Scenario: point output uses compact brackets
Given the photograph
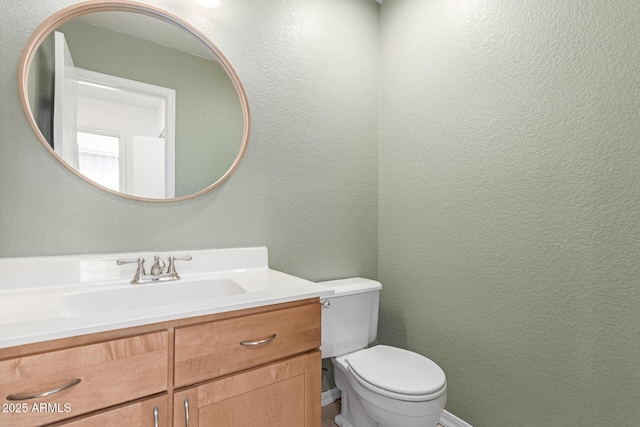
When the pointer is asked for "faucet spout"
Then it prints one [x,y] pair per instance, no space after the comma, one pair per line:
[158,266]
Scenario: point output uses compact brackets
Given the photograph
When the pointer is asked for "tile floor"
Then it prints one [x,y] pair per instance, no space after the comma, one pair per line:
[330,411]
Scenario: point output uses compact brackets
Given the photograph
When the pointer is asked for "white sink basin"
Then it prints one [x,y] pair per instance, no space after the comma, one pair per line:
[145,296]
[48,298]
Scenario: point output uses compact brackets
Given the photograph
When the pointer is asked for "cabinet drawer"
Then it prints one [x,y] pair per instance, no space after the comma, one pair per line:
[214,349]
[110,373]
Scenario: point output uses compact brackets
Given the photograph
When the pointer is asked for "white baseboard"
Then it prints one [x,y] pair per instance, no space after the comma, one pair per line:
[449,420]
[330,396]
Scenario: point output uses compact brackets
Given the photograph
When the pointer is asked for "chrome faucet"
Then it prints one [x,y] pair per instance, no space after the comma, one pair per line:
[157,269]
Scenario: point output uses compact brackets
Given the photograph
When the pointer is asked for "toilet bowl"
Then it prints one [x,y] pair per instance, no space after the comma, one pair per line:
[382,386]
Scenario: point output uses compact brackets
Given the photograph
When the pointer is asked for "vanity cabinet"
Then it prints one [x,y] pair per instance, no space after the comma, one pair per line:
[259,367]
[269,387]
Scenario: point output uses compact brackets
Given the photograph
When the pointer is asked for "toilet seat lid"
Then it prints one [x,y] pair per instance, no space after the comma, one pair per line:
[397,370]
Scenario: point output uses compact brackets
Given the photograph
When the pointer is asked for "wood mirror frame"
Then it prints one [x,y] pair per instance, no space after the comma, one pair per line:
[78,10]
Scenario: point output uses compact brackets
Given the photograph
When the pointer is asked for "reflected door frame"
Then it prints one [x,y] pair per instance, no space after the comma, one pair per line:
[107,80]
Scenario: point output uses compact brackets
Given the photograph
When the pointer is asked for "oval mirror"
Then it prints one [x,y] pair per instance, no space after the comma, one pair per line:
[134,100]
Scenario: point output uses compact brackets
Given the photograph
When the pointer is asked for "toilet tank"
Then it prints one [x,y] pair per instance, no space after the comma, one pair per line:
[350,316]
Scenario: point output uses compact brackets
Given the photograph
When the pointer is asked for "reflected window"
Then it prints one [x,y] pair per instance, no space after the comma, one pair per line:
[99,158]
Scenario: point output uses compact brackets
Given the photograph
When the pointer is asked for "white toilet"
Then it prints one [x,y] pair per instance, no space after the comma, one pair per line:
[381,386]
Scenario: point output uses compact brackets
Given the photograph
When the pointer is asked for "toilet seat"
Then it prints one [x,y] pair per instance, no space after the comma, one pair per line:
[397,373]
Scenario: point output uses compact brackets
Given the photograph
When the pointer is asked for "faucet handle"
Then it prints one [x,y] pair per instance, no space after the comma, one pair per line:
[139,261]
[172,264]
[139,271]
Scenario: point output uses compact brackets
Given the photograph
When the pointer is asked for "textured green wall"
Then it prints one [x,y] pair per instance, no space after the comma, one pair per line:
[307,186]
[509,199]
[509,221]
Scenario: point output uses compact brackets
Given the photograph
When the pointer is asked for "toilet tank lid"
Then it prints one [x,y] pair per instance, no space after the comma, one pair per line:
[353,285]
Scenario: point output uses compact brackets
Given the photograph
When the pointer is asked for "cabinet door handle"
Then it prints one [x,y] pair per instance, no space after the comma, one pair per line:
[186,412]
[255,343]
[44,393]
[156,422]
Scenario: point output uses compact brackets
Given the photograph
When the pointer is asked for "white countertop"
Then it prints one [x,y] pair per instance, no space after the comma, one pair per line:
[30,298]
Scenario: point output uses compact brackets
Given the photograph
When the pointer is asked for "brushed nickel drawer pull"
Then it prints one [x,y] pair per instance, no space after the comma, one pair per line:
[43,394]
[186,412]
[255,343]
[156,422]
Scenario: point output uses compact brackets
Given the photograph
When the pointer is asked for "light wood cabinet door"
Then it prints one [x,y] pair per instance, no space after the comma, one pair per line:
[284,393]
[146,413]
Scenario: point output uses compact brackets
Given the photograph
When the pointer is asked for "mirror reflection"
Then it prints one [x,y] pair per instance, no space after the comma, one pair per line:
[136,105]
